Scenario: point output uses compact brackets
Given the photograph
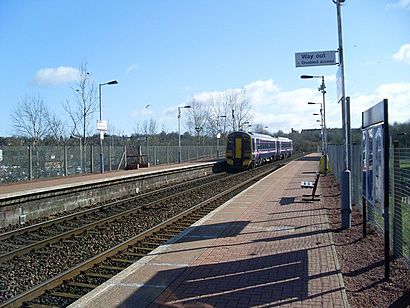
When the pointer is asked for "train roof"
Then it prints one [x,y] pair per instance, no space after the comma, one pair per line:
[284,139]
[254,135]
[262,136]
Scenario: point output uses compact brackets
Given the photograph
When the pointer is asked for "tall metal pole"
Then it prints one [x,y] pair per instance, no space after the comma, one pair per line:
[346,208]
[102,130]
[322,88]
[179,135]
[179,131]
[101,140]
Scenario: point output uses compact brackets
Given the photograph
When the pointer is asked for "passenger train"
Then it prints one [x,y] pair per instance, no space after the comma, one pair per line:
[247,150]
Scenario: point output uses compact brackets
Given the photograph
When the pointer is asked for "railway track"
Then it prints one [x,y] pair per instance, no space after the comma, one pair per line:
[109,245]
[23,240]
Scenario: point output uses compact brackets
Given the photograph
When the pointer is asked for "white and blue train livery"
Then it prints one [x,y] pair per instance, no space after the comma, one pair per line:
[247,149]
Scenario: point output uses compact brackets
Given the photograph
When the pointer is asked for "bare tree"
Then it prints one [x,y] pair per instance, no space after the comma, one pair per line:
[84,105]
[138,129]
[197,117]
[153,127]
[30,118]
[217,115]
[240,106]
[56,126]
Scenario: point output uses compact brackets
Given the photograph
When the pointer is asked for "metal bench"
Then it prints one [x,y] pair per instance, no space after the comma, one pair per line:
[311,185]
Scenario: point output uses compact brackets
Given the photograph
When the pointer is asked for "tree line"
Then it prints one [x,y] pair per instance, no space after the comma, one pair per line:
[205,120]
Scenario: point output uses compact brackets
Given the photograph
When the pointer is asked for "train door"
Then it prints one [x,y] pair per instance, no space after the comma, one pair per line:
[238,147]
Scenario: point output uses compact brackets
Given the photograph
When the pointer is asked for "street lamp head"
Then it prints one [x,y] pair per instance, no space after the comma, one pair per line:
[306,76]
[315,114]
[112,82]
[311,103]
[187,106]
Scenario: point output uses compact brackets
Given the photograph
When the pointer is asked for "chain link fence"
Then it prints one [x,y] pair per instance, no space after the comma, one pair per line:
[21,163]
[399,210]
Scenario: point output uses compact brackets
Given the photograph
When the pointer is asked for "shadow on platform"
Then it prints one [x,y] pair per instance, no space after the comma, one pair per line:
[309,158]
[273,280]
[211,231]
[279,278]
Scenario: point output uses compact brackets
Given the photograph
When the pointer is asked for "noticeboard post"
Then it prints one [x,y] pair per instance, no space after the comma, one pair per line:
[375,176]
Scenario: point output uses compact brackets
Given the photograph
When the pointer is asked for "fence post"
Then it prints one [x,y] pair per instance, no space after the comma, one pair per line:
[397,210]
[125,157]
[65,160]
[91,158]
[30,162]
[110,156]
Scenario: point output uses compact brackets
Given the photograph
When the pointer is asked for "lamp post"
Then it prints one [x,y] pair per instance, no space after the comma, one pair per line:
[321,124]
[146,136]
[81,150]
[198,131]
[179,131]
[218,134]
[103,126]
[321,89]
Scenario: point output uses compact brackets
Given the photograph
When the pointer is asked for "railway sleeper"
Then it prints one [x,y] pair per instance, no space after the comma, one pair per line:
[67,241]
[149,249]
[122,260]
[160,239]
[98,275]
[24,240]
[93,232]
[134,254]
[65,227]
[112,268]
[14,246]
[38,237]
[39,305]
[65,295]
[152,243]
[172,230]
[41,252]
[82,285]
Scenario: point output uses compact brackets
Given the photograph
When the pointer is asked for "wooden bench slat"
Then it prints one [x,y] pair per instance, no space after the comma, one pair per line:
[311,185]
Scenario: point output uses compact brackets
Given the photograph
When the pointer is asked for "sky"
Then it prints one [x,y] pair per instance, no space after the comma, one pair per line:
[164,53]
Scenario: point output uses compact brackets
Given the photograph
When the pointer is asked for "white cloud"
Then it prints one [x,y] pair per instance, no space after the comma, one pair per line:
[398,95]
[55,76]
[403,55]
[132,67]
[261,90]
[284,110]
[402,4]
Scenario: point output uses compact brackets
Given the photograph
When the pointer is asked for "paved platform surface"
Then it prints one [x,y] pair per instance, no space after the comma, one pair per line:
[264,248]
[47,184]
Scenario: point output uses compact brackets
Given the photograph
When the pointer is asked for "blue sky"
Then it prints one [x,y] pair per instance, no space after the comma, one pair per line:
[164,53]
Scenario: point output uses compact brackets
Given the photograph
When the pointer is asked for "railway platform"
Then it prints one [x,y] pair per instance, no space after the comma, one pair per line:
[266,247]
[47,184]
[23,201]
